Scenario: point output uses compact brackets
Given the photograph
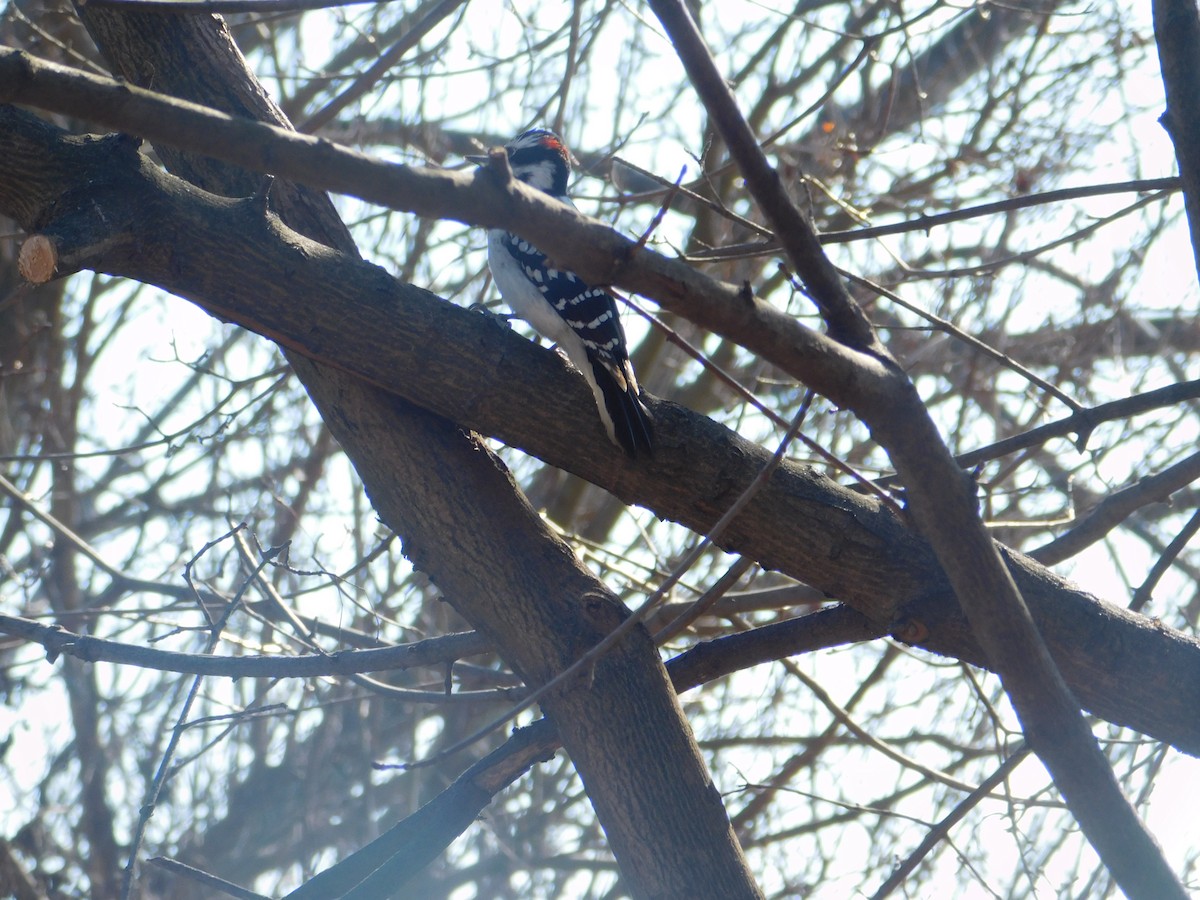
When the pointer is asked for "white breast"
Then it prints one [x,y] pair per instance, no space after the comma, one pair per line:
[524,298]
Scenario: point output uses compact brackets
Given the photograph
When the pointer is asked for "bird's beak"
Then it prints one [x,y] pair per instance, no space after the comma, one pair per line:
[496,160]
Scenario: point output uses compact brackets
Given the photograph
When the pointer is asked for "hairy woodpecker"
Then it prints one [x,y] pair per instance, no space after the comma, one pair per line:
[580,319]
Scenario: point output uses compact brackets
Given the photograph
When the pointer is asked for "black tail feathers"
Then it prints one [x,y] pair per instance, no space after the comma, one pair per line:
[630,419]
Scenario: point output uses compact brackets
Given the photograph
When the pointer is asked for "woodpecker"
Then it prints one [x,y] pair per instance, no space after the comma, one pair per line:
[582,320]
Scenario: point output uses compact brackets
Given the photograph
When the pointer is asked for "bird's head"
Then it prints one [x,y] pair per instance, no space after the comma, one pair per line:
[539,158]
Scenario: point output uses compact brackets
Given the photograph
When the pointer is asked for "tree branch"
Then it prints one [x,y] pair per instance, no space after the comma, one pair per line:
[401,851]
[1177,33]
[428,480]
[943,503]
[436,651]
[414,345]
[595,251]
[1117,507]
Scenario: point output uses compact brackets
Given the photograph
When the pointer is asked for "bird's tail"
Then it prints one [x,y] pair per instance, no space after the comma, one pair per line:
[625,416]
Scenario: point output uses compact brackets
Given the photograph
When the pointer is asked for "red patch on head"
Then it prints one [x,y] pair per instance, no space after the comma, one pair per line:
[554,143]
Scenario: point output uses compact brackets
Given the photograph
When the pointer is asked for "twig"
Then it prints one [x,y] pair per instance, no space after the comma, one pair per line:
[970,340]
[927,222]
[848,722]
[1082,423]
[719,208]
[389,58]
[667,200]
[1117,507]
[705,602]
[1032,253]
[175,867]
[942,829]
[1145,590]
[160,776]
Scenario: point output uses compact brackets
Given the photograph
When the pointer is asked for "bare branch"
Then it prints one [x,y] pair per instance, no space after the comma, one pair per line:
[430,652]
[1118,506]
[1177,31]
[944,508]
[801,523]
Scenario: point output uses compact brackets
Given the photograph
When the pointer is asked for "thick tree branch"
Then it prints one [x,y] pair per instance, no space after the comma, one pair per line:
[594,250]
[428,480]
[1124,668]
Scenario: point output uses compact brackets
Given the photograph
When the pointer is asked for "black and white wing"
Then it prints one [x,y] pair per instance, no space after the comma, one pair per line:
[584,322]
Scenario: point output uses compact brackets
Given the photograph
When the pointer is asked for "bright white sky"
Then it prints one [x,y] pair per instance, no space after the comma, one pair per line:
[1170,283]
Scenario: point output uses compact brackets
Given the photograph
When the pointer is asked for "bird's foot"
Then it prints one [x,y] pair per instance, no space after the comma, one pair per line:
[504,319]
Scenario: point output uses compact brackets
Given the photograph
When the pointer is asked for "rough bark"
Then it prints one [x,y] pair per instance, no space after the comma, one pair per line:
[465,524]
[409,342]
